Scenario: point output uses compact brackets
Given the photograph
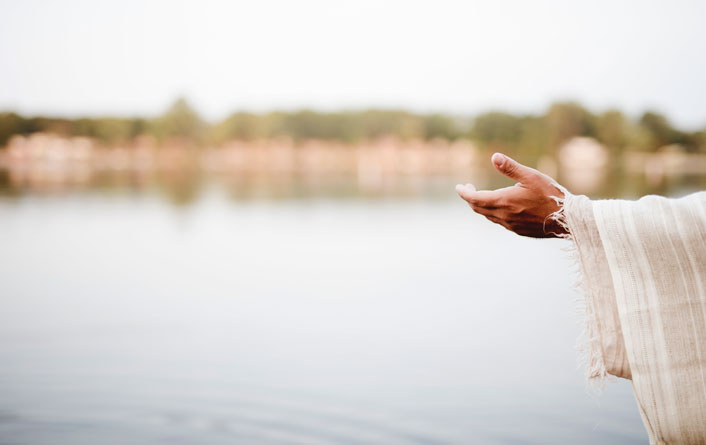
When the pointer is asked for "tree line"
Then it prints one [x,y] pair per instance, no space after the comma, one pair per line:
[529,135]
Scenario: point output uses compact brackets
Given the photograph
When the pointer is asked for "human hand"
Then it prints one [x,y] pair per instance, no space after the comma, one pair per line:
[523,208]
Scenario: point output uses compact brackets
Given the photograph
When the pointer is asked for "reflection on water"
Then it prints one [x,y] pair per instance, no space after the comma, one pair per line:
[281,168]
[126,320]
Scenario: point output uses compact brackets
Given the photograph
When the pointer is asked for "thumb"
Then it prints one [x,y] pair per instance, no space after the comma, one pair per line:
[512,169]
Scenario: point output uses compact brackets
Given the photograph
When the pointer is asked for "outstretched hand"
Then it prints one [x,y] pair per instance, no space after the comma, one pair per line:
[523,208]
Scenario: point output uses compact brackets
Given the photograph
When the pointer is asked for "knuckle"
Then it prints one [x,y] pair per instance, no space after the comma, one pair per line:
[507,216]
[480,203]
[515,211]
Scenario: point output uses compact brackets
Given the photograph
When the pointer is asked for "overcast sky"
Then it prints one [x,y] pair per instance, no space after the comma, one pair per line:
[134,57]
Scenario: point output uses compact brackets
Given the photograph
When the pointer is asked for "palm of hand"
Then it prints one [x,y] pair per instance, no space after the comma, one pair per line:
[524,208]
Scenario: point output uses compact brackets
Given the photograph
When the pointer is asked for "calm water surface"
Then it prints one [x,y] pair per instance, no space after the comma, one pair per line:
[130,321]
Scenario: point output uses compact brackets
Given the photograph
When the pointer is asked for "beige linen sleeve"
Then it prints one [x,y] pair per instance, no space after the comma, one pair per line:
[643,266]
[602,345]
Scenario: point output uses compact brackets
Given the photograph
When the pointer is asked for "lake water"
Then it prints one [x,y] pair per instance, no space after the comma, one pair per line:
[126,320]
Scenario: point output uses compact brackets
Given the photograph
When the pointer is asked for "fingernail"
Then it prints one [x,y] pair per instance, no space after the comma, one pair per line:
[459,188]
[499,159]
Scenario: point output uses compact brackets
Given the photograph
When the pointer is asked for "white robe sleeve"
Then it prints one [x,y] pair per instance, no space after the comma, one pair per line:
[602,344]
[643,267]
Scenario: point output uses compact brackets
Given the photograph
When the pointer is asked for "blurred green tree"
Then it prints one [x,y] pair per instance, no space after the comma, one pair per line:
[698,139]
[612,130]
[566,120]
[241,126]
[497,128]
[528,137]
[534,140]
[658,132]
[11,124]
[440,126]
[180,121]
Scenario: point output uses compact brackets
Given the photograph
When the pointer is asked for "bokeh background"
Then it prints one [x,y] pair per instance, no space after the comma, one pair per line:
[235,222]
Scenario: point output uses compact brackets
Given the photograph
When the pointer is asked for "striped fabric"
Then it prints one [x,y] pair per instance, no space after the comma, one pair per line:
[643,266]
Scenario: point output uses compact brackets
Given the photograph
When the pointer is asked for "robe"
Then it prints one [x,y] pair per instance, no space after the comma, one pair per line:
[643,277]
